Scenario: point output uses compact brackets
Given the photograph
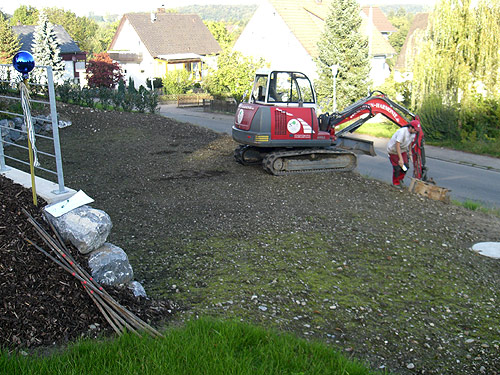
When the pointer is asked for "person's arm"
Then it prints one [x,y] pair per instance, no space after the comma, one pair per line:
[398,150]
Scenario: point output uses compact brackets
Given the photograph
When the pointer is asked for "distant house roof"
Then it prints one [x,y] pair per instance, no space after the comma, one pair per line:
[379,19]
[26,37]
[415,33]
[306,20]
[171,33]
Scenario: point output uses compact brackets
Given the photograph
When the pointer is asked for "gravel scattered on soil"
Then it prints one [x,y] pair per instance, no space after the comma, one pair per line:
[378,273]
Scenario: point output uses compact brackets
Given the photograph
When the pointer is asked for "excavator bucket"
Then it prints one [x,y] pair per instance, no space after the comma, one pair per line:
[356,145]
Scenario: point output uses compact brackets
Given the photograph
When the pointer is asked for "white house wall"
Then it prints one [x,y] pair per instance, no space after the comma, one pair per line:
[267,36]
[129,41]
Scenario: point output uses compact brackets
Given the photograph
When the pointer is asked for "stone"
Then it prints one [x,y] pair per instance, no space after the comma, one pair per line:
[85,227]
[109,265]
[137,289]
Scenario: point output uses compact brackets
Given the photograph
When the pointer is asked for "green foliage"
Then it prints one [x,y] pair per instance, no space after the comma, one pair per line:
[177,82]
[439,120]
[81,29]
[234,75]
[343,44]
[9,42]
[459,56]
[480,119]
[401,20]
[157,83]
[24,15]
[122,98]
[220,33]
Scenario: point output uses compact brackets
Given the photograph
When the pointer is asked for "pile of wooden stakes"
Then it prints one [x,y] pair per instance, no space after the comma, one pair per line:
[116,315]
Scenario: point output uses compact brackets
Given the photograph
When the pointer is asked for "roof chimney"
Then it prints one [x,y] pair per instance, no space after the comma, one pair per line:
[153,17]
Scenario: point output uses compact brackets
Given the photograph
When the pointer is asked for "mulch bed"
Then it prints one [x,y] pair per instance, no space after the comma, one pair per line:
[41,304]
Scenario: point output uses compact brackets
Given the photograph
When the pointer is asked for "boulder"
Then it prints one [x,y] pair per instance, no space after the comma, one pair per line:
[85,227]
[109,265]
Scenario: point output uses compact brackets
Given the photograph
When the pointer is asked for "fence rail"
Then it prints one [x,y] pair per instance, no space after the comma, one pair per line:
[8,71]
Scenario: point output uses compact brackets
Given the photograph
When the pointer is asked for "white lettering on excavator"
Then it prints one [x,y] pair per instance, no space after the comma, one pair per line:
[386,108]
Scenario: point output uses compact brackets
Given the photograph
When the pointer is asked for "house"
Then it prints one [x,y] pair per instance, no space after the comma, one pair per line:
[404,62]
[380,21]
[74,59]
[148,45]
[285,33]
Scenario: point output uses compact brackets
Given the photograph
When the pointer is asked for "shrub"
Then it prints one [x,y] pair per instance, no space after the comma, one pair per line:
[440,122]
[177,82]
[103,72]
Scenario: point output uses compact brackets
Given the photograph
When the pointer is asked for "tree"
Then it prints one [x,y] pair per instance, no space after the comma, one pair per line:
[459,53]
[81,29]
[343,44]
[234,75]
[9,42]
[46,51]
[220,33]
[401,20]
[24,15]
[103,72]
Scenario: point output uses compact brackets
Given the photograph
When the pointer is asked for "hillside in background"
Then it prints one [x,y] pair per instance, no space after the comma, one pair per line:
[227,13]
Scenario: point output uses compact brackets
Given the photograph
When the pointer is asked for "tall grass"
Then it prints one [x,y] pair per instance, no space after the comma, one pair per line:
[203,346]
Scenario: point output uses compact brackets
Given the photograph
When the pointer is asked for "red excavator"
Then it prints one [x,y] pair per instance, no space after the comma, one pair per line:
[279,128]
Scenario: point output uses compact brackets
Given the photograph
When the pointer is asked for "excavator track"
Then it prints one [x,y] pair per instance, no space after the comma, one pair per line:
[281,163]
[247,155]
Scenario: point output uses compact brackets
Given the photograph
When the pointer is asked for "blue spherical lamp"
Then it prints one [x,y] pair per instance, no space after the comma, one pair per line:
[23,62]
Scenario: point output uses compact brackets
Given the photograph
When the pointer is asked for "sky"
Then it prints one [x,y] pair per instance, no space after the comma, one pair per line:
[103,7]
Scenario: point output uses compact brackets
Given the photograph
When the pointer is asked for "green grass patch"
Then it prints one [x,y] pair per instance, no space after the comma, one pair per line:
[477,206]
[203,346]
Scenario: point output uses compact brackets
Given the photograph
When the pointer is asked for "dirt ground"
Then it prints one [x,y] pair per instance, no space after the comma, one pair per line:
[380,274]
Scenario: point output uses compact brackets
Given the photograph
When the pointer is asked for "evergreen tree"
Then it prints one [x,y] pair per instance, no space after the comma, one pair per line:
[343,44]
[459,53]
[9,42]
[46,52]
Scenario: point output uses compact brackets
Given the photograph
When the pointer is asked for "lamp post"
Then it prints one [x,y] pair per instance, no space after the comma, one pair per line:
[335,71]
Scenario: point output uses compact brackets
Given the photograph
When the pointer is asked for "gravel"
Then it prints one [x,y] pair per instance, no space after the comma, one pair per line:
[381,274]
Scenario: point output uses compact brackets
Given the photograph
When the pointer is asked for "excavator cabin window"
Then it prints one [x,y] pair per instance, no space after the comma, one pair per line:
[291,88]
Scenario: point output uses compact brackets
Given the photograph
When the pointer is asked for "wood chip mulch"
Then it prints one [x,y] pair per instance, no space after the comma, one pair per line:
[41,305]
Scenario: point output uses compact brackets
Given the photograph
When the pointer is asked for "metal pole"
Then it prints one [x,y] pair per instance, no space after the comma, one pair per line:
[55,132]
[3,168]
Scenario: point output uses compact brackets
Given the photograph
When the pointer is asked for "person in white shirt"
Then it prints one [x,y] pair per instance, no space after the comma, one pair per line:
[398,148]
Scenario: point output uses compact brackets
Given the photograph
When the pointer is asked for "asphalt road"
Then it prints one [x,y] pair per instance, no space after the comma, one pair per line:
[468,176]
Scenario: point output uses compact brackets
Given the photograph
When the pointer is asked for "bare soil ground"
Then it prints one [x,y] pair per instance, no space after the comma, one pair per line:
[381,274]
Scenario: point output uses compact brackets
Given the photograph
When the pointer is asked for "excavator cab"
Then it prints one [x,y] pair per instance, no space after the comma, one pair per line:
[283,89]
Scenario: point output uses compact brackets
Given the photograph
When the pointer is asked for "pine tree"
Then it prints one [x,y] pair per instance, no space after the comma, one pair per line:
[343,44]
[9,42]
[46,52]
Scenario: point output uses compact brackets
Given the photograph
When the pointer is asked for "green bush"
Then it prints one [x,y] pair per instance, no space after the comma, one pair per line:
[124,98]
[440,122]
[177,82]
[480,119]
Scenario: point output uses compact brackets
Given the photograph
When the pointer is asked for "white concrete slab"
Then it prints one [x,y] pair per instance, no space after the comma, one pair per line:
[488,249]
[47,190]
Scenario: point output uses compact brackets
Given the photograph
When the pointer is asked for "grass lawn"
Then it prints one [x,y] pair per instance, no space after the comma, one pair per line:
[203,346]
